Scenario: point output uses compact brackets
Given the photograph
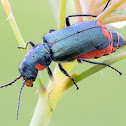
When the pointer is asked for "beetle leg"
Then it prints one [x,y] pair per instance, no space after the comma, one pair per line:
[106,5]
[80,60]
[80,15]
[29,42]
[65,72]
[50,74]
[51,30]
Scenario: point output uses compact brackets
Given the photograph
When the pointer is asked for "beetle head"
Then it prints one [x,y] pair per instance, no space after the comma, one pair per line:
[28,73]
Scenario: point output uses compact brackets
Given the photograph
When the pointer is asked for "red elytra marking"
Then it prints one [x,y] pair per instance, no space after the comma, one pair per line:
[114,48]
[104,31]
[39,66]
[97,53]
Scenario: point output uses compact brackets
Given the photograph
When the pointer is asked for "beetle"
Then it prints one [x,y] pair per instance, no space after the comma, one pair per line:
[81,41]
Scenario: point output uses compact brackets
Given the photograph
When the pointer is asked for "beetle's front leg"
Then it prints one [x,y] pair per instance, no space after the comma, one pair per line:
[65,72]
[50,74]
[51,30]
[29,42]
[80,60]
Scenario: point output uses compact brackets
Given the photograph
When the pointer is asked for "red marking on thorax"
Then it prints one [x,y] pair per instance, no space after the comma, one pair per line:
[39,66]
[97,53]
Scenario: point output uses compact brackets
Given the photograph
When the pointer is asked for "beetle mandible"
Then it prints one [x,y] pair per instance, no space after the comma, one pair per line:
[68,44]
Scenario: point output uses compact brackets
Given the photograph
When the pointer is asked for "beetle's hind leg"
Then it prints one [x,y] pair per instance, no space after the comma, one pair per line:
[29,42]
[77,15]
[83,15]
[106,5]
[65,72]
[80,60]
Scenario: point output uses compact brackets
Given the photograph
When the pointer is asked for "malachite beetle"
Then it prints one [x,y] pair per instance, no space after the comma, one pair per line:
[81,41]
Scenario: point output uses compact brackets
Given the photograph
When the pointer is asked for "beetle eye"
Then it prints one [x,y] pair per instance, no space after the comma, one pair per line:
[25,68]
[47,58]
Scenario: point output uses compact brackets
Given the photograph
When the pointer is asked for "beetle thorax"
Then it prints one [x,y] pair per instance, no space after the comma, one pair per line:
[39,55]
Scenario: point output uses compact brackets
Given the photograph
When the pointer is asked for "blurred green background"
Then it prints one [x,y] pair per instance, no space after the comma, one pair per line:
[100,101]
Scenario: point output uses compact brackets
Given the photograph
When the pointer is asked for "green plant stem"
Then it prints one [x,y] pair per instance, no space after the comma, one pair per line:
[43,111]
[62,14]
[13,24]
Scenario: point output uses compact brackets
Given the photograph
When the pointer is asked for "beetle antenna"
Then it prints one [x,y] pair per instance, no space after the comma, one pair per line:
[20,97]
[17,78]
